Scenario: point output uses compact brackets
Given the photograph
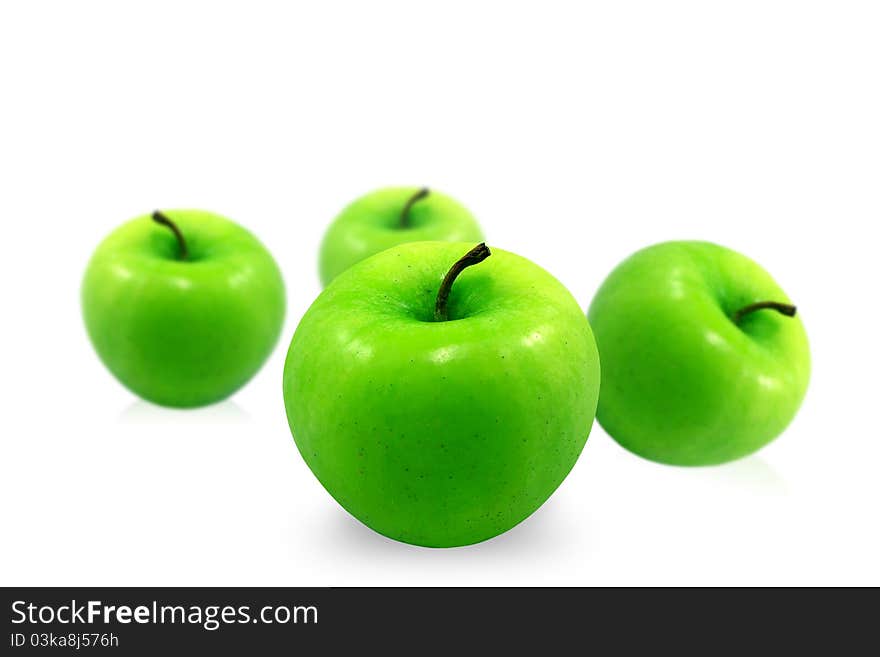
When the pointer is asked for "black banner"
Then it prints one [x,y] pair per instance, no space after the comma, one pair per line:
[127,621]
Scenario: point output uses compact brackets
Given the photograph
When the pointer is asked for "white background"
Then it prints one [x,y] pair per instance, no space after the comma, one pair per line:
[576,132]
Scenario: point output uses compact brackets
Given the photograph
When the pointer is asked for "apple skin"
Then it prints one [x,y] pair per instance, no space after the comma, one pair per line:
[442,433]
[371,224]
[178,332]
[683,384]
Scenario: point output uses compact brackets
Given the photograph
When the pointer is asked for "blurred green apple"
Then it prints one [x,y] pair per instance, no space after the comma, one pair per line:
[183,307]
[703,360]
[388,217]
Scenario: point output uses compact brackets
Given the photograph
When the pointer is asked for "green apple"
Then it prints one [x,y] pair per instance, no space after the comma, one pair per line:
[441,414]
[392,216]
[703,360]
[183,307]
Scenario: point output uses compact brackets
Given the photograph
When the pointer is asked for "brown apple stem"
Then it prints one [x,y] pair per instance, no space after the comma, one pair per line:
[785,308]
[160,218]
[475,256]
[415,198]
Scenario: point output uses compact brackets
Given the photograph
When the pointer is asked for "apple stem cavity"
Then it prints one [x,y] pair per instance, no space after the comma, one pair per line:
[160,218]
[415,198]
[473,257]
[784,308]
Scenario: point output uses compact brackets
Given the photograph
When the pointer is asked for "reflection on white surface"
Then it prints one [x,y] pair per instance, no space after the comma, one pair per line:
[140,412]
[751,472]
[548,530]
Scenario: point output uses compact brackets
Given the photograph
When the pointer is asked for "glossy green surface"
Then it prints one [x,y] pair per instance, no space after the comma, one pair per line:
[183,333]
[372,224]
[442,433]
[681,383]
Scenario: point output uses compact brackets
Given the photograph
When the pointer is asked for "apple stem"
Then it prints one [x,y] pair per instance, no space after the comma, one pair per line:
[160,218]
[415,198]
[475,256]
[785,308]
